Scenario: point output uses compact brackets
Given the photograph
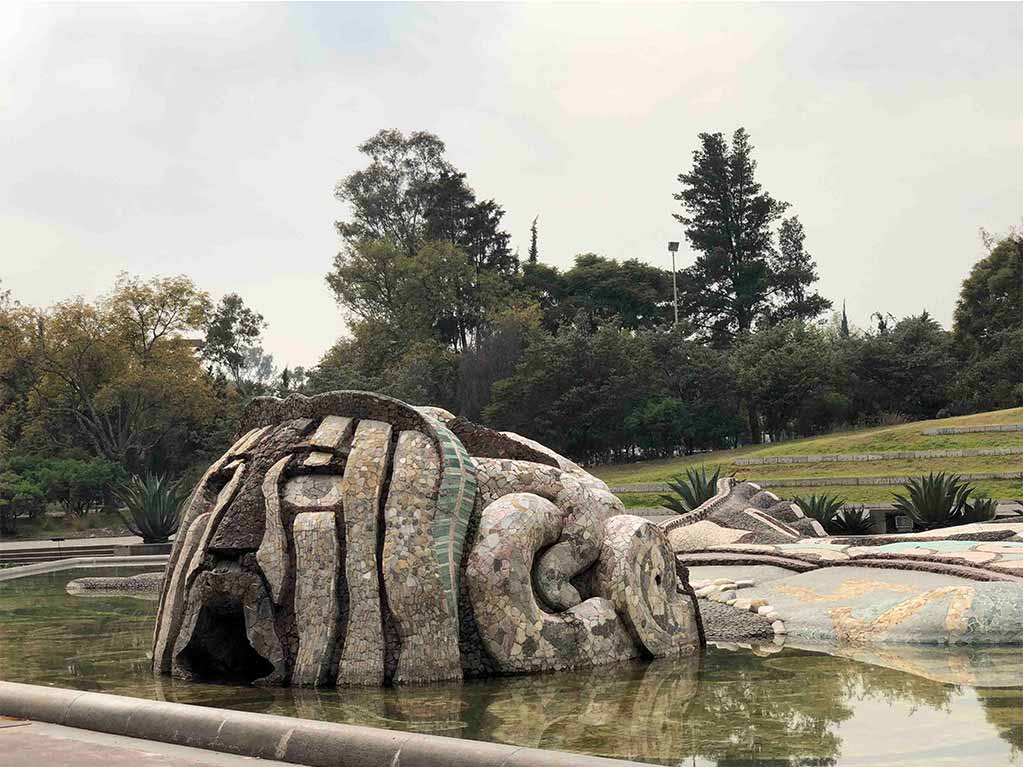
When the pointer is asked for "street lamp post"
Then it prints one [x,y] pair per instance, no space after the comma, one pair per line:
[672,248]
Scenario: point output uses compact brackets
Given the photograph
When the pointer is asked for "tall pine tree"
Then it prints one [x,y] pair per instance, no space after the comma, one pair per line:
[533,241]
[740,276]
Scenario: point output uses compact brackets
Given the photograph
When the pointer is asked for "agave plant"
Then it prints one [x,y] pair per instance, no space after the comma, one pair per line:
[937,500]
[981,510]
[820,507]
[691,490]
[851,521]
[152,506]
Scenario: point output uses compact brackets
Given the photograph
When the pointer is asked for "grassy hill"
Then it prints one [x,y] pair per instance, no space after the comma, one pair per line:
[884,439]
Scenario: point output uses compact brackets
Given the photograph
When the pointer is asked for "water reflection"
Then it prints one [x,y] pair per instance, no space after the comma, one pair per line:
[799,706]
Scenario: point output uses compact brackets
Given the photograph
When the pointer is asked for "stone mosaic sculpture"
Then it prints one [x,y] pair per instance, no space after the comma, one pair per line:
[754,552]
[349,538]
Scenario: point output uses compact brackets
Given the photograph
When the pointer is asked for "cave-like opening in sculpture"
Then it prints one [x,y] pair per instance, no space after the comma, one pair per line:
[219,649]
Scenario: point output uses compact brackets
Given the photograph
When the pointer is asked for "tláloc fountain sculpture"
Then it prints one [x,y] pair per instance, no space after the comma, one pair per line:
[350,538]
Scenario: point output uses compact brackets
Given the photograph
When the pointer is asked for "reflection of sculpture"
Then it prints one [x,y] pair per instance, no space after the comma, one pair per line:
[352,538]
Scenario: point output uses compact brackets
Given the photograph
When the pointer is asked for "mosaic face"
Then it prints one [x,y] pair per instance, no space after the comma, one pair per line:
[350,538]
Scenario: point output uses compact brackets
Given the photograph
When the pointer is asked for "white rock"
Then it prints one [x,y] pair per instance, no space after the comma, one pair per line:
[779,627]
[744,584]
[765,609]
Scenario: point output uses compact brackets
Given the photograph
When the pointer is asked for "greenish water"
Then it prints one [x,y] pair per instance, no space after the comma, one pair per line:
[901,706]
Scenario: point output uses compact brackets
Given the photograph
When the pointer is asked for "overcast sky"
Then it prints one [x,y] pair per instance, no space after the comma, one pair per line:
[207,140]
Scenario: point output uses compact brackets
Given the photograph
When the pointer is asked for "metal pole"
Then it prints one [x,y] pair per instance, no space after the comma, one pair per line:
[675,294]
[672,248]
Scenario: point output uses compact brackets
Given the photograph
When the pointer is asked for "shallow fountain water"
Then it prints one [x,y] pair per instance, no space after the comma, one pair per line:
[869,706]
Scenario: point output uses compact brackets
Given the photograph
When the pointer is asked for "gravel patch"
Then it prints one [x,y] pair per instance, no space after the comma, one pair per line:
[725,623]
[141,583]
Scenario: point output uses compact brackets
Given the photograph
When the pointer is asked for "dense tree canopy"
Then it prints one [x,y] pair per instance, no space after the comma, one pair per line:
[586,359]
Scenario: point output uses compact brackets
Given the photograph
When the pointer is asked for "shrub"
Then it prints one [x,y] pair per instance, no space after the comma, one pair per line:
[849,521]
[19,497]
[153,506]
[691,490]
[820,507]
[937,500]
[891,418]
[982,510]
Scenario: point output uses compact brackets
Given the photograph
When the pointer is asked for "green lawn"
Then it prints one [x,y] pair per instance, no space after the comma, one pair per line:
[874,440]
[907,436]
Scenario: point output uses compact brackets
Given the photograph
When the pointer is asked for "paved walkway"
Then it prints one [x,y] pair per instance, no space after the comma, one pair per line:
[31,744]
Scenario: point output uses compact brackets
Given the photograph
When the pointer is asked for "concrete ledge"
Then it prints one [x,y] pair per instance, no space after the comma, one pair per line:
[142,549]
[22,571]
[865,457]
[265,736]
[972,429]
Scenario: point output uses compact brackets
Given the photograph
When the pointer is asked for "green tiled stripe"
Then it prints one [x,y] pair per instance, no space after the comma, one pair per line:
[455,499]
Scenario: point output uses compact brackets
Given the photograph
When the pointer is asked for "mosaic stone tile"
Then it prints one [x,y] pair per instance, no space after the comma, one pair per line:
[316,565]
[362,658]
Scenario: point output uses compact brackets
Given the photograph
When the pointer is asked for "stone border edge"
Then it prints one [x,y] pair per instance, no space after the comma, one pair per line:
[74,563]
[267,736]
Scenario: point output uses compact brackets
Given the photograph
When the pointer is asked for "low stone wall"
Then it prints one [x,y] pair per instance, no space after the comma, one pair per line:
[265,736]
[662,487]
[892,456]
[972,429]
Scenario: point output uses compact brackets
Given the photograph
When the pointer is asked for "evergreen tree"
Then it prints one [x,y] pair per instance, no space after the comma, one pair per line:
[533,241]
[739,276]
[844,327]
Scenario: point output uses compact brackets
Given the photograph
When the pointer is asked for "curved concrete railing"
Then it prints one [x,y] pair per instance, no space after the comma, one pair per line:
[264,736]
[22,571]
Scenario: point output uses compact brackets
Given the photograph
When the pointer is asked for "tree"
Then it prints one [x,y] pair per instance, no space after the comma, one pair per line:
[599,289]
[922,377]
[422,373]
[738,275]
[533,241]
[232,340]
[493,357]
[779,371]
[573,390]
[844,324]
[990,299]
[453,215]
[699,377]
[389,198]
[417,223]
[118,377]
[904,367]
[792,271]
